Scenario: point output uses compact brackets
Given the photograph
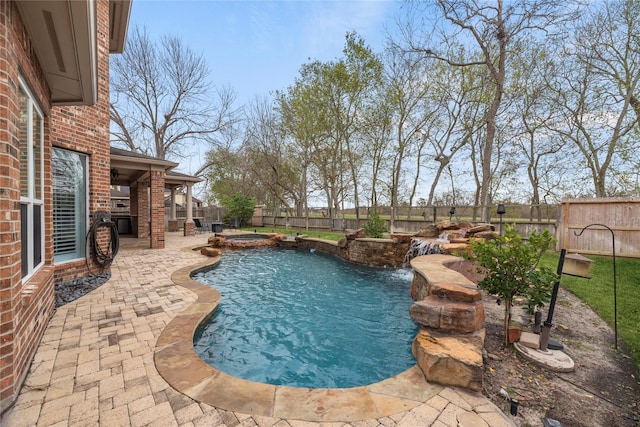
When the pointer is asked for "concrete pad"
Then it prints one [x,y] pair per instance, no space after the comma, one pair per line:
[554,360]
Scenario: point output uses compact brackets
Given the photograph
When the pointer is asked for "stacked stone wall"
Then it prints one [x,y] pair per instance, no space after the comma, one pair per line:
[448,307]
[325,246]
[377,252]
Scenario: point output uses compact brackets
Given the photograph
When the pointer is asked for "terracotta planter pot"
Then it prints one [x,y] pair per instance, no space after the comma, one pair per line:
[514,334]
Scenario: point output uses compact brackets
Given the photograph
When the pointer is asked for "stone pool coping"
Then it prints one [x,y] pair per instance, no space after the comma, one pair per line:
[177,362]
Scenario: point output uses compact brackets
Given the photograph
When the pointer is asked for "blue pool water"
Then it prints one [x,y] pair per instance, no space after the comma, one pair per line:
[306,319]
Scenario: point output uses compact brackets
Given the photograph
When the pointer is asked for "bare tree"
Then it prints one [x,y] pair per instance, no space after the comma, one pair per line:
[407,86]
[495,28]
[162,98]
[533,115]
[273,165]
[598,79]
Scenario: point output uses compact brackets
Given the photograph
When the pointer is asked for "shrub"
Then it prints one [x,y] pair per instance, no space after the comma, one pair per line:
[510,267]
[375,227]
[240,207]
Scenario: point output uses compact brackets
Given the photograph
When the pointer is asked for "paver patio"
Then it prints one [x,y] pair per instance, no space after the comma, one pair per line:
[95,366]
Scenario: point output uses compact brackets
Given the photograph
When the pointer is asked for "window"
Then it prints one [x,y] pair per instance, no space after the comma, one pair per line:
[69,204]
[31,135]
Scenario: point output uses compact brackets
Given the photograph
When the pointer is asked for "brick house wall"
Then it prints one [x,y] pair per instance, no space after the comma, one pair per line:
[85,129]
[26,306]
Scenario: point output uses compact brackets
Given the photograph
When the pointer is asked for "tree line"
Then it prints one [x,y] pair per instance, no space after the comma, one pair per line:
[486,102]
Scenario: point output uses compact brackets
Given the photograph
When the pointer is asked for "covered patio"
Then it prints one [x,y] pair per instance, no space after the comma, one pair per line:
[147,177]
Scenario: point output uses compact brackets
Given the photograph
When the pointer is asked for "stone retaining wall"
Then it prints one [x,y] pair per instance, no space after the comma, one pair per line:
[448,307]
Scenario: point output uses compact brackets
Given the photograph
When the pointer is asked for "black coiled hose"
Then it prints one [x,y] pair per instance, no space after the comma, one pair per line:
[102,256]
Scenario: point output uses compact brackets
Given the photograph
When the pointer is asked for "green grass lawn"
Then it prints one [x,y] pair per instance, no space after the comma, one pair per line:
[319,234]
[597,292]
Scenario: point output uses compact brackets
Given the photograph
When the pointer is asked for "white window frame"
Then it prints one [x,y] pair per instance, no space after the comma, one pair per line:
[31,200]
[81,213]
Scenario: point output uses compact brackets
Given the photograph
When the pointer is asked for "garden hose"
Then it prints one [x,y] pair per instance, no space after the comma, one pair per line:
[102,255]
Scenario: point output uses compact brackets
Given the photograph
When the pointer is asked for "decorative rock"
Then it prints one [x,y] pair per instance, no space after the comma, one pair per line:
[455,234]
[343,242]
[426,314]
[481,227]
[357,234]
[476,338]
[455,292]
[488,235]
[216,241]
[448,316]
[448,360]
[428,231]
[401,237]
[210,252]
[446,225]
[420,287]
[464,240]
[454,248]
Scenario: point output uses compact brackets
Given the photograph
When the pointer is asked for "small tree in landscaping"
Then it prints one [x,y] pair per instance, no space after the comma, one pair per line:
[375,227]
[241,208]
[510,266]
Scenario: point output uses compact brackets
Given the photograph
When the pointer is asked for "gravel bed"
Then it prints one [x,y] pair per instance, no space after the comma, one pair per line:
[66,292]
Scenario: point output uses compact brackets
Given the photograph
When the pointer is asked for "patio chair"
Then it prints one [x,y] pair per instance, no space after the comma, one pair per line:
[199,227]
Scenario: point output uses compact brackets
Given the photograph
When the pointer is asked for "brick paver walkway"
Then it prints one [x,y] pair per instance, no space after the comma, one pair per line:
[95,364]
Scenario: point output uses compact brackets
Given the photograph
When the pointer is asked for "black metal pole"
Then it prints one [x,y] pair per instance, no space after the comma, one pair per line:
[546,328]
[556,286]
[615,290]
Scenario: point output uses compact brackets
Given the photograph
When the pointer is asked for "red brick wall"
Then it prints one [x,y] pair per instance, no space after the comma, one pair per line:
[25,308]
[85,129]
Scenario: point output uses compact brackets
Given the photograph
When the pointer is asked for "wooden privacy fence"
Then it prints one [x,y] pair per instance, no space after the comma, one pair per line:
[399,226]
[621,215]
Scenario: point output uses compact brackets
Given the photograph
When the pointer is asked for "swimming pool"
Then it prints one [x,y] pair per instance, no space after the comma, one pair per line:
[305,319]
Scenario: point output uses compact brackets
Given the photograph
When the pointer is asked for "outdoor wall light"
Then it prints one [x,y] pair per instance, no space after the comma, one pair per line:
[501,211]
[452,212]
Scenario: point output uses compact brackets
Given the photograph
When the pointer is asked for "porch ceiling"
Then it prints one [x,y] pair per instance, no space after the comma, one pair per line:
[128,168]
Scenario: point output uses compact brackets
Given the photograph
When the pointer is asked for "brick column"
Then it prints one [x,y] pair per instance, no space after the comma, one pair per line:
[142,204]
[173,221]
[157,209]
[189,226]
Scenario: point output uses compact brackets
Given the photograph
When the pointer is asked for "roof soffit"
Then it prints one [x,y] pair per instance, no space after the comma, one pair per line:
[64,36]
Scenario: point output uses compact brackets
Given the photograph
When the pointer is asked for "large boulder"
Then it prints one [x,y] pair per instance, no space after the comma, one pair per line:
[448,316]
[217,241]
[448,360]
[429,231]
[210,252]
[356,234]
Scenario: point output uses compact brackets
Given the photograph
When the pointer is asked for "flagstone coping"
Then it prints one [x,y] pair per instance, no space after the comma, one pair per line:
[177,362]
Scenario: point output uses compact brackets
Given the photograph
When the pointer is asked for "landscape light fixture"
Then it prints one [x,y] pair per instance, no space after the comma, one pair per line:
[571,265]
[501,211]
[615,291]
[452,212]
